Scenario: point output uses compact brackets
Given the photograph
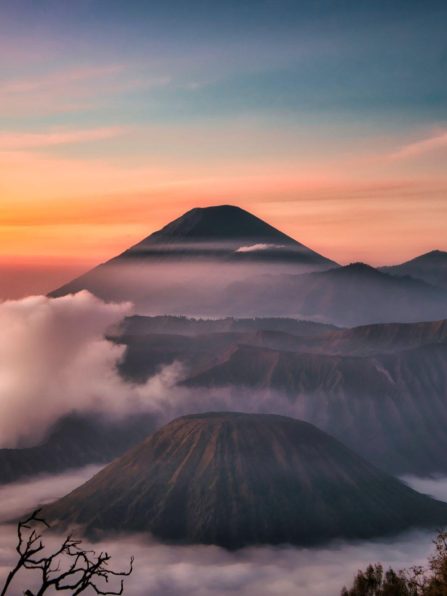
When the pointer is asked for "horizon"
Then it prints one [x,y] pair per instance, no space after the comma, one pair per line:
[23,278]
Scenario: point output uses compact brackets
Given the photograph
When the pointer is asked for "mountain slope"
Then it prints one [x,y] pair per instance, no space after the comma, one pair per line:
[238,479]
[430,267]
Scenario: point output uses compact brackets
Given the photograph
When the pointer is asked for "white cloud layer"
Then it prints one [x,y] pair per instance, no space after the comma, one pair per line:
[54,359]
[162,570]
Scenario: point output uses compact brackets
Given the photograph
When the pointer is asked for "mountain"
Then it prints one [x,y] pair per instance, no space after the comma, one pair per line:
[223,261]
[356,294]
[224,230]
[74,441]
[430,267]
[388,407]
[184,267]
[236,479]
[379,388]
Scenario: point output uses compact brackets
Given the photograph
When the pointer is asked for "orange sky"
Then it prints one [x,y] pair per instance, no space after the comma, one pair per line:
[60,215]
[54,206]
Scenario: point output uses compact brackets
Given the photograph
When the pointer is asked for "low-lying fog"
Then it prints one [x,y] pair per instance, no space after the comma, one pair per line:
[162,570]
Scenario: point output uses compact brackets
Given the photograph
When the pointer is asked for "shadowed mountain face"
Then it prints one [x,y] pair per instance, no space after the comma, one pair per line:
[430,267]
[239,479]
[184,267]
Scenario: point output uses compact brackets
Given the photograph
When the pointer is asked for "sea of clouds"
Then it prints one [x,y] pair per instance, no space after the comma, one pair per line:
[163,570]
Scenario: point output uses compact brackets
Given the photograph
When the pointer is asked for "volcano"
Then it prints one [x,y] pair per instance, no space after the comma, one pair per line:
[196,257]
[235,479]
[224,231]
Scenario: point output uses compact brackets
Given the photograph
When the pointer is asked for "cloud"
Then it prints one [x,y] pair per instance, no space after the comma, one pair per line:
[22,140]
[418,148]
[57,79]
[54,359]
[19,498]
[57,91]
[258,247]
[162,570]
[435,486]
[72,89]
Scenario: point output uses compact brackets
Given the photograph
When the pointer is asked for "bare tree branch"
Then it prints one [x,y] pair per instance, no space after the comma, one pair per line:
[68,568]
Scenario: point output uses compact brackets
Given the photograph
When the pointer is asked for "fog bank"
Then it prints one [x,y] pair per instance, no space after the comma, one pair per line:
[162,570]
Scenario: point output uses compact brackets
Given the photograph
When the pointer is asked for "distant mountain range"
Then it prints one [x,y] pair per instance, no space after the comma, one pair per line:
[236,479]
[379,388]
[224,261]
[356,294]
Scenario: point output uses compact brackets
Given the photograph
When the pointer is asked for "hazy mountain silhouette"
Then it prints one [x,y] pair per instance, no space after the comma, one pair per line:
[430,267]
[356,294]
[238,479]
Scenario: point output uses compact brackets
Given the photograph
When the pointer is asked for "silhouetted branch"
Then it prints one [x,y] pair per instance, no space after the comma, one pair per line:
[68,568]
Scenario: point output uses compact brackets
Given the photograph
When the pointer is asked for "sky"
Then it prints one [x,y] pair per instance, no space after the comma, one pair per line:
[326,118]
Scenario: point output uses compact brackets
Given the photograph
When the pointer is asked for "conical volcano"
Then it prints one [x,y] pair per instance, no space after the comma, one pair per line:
[223,222]
[185,267]
[236,479]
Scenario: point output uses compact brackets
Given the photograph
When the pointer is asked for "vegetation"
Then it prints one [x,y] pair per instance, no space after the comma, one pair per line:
[68,568]
[416,581]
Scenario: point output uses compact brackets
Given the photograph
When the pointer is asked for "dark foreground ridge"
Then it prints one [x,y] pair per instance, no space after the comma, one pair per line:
[236,479]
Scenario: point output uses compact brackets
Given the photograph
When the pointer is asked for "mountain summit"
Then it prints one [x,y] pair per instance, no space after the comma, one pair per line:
[224,222]
[236,479]
[430,267]
[224,231]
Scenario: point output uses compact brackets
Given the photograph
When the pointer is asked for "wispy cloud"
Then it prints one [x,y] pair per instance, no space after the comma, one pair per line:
[56,79]
[24,140]
[421,147]
[72,89]
[258,247]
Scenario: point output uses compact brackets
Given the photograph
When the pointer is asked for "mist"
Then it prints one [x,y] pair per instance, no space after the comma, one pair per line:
[260,282]
[55,359]
[163,570]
